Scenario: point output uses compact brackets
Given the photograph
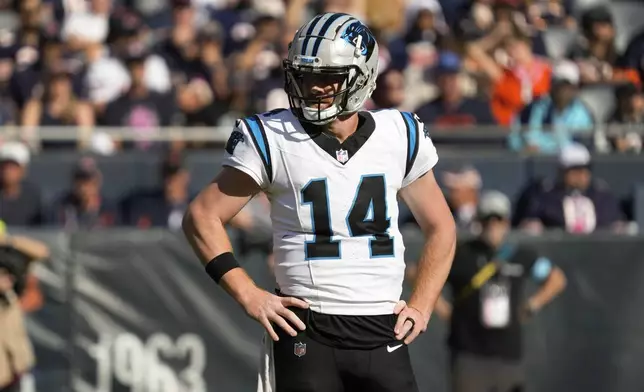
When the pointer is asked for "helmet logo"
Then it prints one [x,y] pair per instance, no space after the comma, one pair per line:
[356,29]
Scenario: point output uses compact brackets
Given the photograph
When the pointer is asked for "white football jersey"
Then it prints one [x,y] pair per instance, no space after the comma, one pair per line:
[334,206]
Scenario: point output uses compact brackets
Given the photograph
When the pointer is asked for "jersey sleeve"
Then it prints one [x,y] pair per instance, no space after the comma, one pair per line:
[421,153]
[247,150]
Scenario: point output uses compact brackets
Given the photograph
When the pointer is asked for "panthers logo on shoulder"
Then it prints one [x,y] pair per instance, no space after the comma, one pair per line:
[233,141]
[356,29]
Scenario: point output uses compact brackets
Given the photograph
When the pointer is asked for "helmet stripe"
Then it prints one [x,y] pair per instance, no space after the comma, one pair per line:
[312,25]
[323,31]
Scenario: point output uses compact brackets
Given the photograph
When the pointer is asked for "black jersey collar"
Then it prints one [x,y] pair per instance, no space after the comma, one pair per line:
[342,152]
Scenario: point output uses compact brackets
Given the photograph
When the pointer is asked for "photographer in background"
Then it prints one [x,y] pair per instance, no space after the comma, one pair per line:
[17,253]
[489,306]
[16,352]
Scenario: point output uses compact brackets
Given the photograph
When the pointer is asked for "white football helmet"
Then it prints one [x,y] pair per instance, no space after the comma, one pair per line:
[330,48]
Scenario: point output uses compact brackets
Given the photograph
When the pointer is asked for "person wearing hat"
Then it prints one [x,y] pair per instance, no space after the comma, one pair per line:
[463,191]
[552,121]
[20,201]
[574,201]
[83,207]
[488,307]
[452,108]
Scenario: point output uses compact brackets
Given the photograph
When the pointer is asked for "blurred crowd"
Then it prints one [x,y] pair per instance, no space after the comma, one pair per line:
[548,71]
[570,199]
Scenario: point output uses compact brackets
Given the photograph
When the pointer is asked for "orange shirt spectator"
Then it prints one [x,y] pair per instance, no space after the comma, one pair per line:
[518,87]
[525,79]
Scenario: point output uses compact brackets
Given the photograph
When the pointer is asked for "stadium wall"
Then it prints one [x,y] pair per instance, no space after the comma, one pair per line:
[134,311]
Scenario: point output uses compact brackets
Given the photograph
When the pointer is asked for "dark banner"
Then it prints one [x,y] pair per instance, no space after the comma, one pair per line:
[133,311]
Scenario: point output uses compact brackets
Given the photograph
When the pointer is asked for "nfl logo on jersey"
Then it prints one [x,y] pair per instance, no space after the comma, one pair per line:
[299,349]
[342,156]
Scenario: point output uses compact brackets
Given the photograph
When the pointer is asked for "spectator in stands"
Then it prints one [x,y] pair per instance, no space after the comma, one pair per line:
[22,76]
[88,23]
[139,108]
[127,30]
[488,308]
[390,90]
[551,13]
[182,36]
[627,119]
[452,108]
[462,192]
[596,52]
[489,23]
[83,207]
[52,54]
[426,26]
[254,62]
[20,201]
[633,56]
[105,77]
[204,95]
[551,122]
[54,103]
[161,207]
[418,50]
[575,201]
[477,19]
[199,74]
[524,79]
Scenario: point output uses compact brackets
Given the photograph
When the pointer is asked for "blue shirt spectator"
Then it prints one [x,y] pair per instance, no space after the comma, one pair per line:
[451,108]
[552,122]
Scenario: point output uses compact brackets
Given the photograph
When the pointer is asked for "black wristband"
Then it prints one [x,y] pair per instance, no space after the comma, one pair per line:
[221,264]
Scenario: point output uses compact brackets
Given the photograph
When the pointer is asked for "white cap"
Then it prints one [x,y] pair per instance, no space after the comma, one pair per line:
[465,177]
[566,71]
[574,155]
[494,203]
[15,152]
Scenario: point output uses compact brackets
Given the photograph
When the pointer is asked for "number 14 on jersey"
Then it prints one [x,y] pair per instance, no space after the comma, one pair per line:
[366,217]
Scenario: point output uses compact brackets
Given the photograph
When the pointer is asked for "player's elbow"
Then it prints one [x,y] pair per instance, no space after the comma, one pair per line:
[445,227]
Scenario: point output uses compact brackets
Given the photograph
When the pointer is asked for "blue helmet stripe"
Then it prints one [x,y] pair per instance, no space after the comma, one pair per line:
[314,23]
[323,31]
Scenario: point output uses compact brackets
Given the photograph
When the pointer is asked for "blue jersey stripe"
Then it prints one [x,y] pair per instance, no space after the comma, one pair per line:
[412,140]
[259,138]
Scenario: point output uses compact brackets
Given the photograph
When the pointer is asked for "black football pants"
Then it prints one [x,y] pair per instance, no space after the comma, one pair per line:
[305,365]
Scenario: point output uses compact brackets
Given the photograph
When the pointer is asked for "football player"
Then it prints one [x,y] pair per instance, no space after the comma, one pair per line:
[333,174]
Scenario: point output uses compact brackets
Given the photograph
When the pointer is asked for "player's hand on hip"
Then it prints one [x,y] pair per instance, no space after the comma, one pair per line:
[268,308]
[411,323]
